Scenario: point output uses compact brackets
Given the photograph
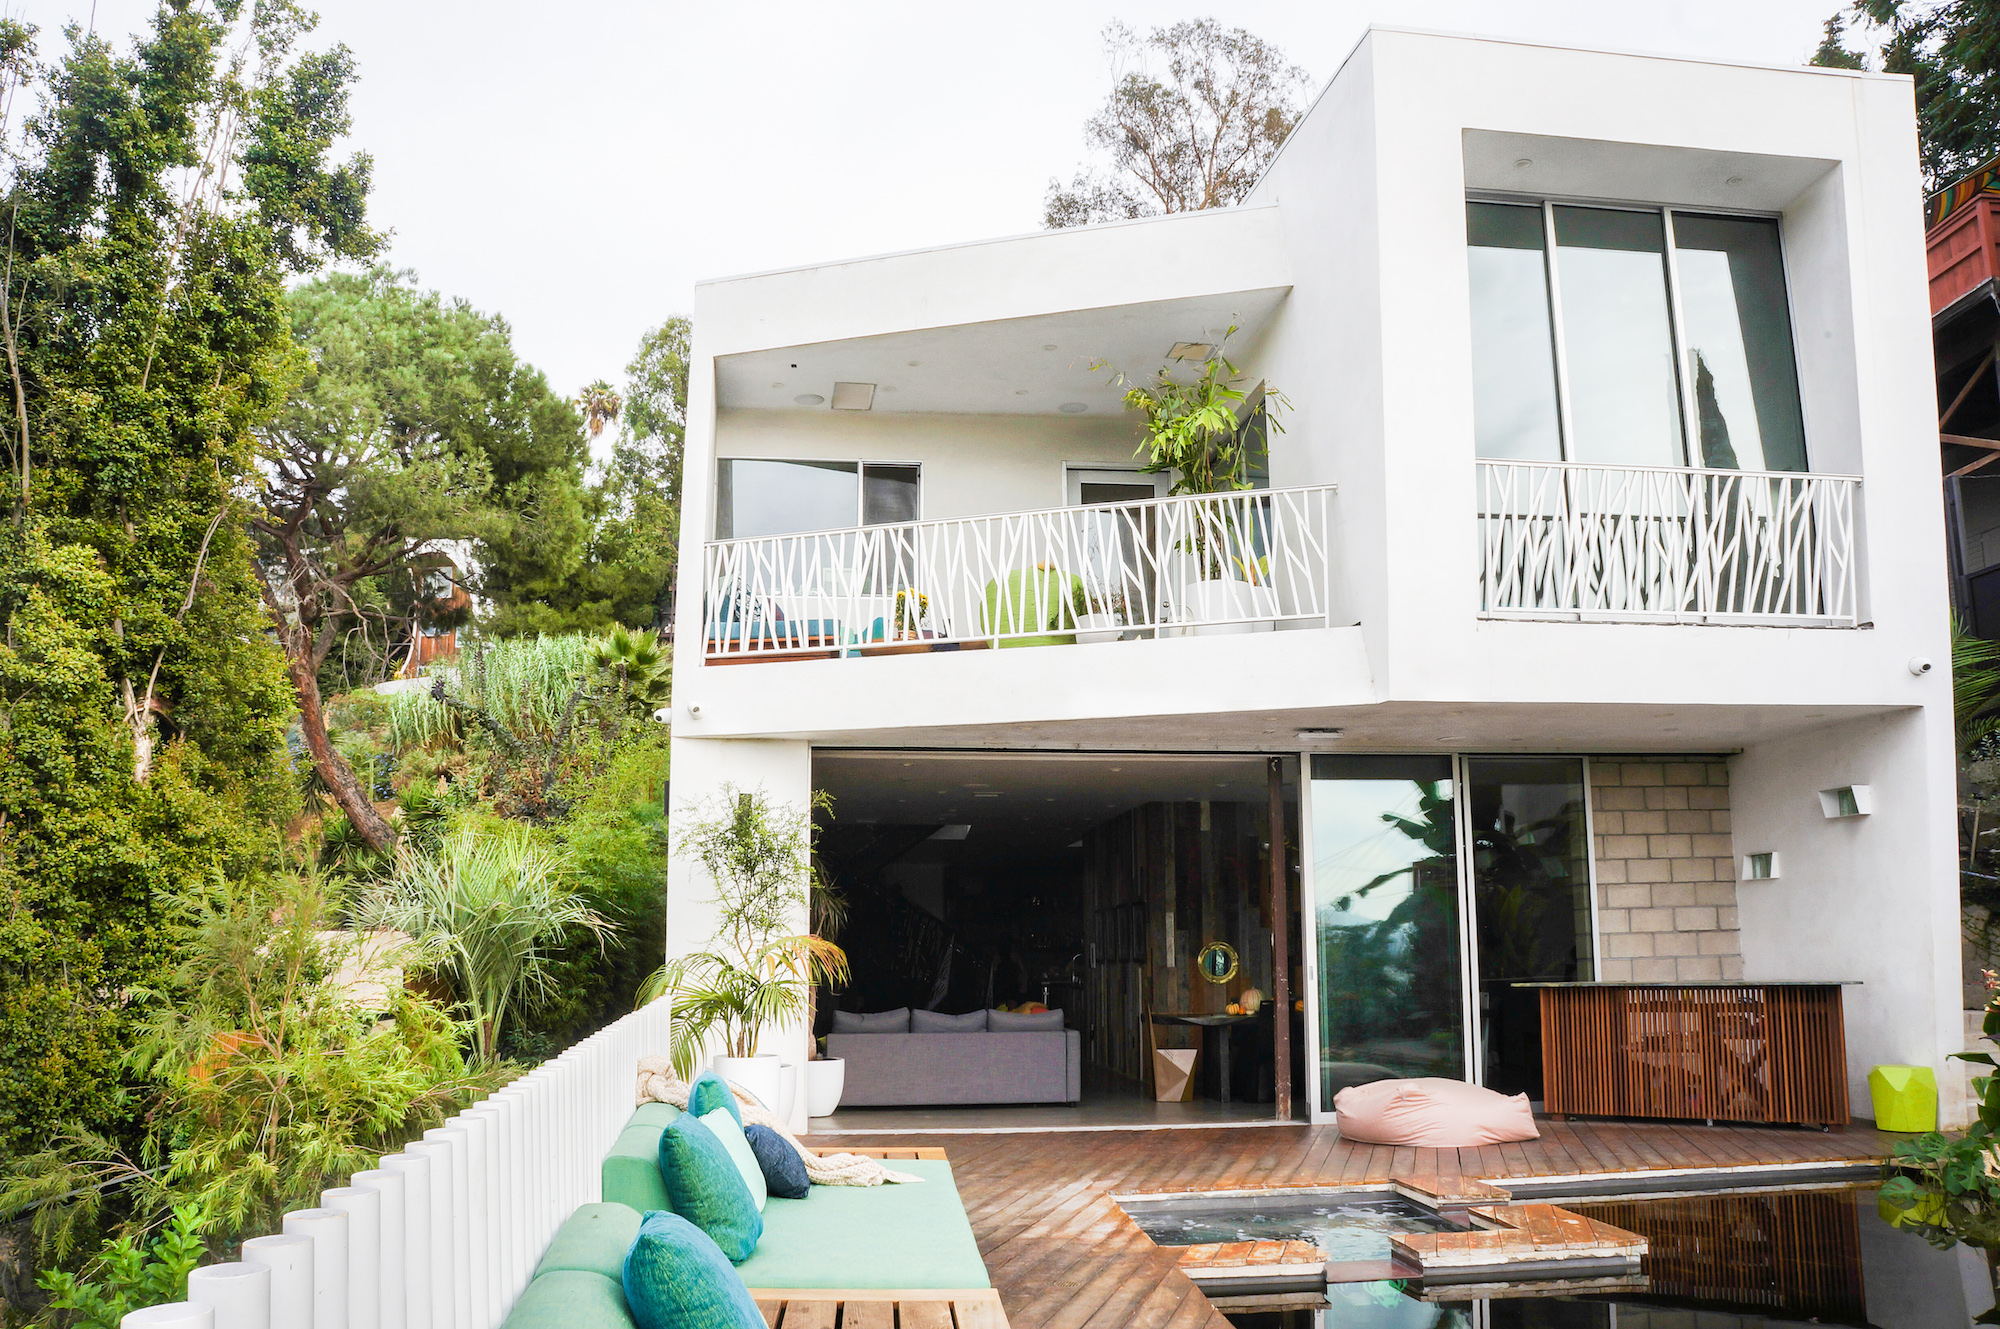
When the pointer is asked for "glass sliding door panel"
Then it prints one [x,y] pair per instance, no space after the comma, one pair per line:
[1738,329]
[1531,902]
[1513,352]
[1384,896]
[1618,344]
[756,497]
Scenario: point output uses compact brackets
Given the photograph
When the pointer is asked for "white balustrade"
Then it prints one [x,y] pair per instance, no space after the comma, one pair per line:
[445,1233]
[1253,558]
[1569,540]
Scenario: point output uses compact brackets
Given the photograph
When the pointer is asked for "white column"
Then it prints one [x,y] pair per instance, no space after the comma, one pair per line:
[443,1316]
[363,1208]
[479,1210]
[238,1293]
[392,1269]
[290,1260]
[328,1230]
[179,1315]
[416,1174]
[457,1140]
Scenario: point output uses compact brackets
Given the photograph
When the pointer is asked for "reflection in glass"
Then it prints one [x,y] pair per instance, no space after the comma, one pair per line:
[1513,358]
[1385,901]
[888,494]
[1624,398]
[1739,343]
[1531,902]
[755,497]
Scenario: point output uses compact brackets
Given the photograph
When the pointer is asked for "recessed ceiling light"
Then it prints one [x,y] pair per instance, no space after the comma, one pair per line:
[957,832]
[1048,346]
[777,385]
[853,396]
[1073,408]
[1733,180]
[1191,350]
[808,399]
[1523,163]
[913,364]
[987,793]
[1020,392]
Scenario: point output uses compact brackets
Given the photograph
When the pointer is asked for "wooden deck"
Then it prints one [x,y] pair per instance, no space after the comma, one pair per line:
[1063,1255]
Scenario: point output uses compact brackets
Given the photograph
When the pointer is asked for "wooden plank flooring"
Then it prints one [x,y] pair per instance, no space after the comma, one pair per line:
[1063,1255]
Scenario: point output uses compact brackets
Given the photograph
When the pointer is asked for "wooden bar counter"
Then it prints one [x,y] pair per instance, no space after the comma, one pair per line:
[1753,1052]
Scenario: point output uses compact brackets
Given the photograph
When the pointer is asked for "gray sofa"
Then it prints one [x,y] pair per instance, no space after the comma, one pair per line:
[888,1065]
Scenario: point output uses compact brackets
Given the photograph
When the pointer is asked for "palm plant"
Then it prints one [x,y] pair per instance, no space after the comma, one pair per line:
[488,906]
[757,971]
[1975,687]
[639,666]
[600,405]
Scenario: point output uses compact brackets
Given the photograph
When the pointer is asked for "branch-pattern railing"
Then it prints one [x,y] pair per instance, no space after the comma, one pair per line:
[1159,567]
[446,1232]
[1633,542]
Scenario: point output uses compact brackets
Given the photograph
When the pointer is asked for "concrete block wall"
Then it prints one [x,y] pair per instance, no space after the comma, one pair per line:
[1666,871]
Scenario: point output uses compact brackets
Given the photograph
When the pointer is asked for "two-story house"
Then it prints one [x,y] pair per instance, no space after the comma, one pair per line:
[1584,622]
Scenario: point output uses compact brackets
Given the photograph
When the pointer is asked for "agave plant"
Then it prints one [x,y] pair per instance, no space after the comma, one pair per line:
[758,971]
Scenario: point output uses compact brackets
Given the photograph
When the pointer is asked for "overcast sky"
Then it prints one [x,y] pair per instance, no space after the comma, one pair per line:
[578,167]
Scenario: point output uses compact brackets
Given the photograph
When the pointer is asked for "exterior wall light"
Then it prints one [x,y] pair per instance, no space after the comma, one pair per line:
[1760,867]
[1317,735]
[1852,800]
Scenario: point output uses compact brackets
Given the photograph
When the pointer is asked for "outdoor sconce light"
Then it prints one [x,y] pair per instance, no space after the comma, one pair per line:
[1852,800]
[1760,867]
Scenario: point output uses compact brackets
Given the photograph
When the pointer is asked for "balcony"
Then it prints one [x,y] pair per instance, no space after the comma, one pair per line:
[1659,544]
[1192,565]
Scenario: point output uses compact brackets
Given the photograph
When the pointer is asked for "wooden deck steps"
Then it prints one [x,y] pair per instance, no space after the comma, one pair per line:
[1252,1259]
[1511,1236]
[881,1310]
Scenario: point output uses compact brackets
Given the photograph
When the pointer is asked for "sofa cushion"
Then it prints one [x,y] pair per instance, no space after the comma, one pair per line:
[882,1022]
[730,1131]
[1017,1022]
[572,1299]
[933,1022]
[593,1240]
[630,1174]
[908,1236]
[676,1278]
[706,1189]
[784,1171]
[709,1092]
[653,1114]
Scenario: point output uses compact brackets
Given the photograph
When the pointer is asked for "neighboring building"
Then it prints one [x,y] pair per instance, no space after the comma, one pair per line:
[1964,230]
[1589,602]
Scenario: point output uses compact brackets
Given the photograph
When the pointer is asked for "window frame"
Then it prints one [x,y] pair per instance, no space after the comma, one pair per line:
[860,464]
[1683,383]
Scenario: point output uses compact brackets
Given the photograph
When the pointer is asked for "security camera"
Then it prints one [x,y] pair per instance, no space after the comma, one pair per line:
[1919,665]
[694,712]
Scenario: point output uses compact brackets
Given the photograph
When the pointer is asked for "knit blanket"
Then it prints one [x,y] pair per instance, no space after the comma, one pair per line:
[659,1084]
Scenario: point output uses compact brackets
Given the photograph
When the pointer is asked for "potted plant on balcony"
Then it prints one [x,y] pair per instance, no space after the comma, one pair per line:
[1100,615]
[1194,433]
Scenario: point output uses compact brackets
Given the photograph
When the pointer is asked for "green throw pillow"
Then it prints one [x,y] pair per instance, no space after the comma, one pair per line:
[706,1189]
[740,1153]
[710,1091]
[676,1277]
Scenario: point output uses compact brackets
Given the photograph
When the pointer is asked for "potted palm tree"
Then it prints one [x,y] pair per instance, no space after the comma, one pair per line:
[757,970]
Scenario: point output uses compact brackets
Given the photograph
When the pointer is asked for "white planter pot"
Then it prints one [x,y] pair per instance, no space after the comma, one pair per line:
[1091,628]
[788,1089]
[760,1075]
[826,1080]
[1229,598]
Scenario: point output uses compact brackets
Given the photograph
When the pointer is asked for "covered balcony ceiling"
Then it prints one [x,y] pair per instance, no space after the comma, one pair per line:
[1022,366]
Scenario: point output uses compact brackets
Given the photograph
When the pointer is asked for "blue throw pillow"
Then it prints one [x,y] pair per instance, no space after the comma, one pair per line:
[706,1189]
[784,1171]
[676,1277]
[709,1092]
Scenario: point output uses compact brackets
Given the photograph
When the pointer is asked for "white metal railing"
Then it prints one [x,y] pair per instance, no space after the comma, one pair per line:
[1156,568]
[1565,539]
[445,1233]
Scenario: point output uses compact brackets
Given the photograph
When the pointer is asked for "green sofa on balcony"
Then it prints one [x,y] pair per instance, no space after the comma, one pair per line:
[906,1238]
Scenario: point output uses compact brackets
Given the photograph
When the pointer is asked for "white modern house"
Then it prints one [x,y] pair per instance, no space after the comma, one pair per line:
[1589,592]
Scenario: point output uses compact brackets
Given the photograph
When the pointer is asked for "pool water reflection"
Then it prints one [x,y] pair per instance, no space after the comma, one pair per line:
[1348,1228]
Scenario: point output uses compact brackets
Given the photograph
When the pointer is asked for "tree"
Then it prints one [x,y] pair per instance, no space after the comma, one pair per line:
[1195,133]
[158,195]
[416,427]
[1952,50]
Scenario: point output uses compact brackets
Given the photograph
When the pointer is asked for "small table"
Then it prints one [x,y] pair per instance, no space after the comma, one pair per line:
[1206,1023]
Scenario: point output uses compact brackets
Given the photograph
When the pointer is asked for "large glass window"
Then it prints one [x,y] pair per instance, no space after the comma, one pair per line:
[1670,342]
[755,496]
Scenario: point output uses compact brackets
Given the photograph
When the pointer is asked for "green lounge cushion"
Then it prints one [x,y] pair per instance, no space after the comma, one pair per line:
[730,1131]
[1041,600]
[630,1173]
[677,1278]
[706,1189]
[592,1240]
[572,1299]
[710,1091]
[653,1114]
[909,1236]
[784,1171]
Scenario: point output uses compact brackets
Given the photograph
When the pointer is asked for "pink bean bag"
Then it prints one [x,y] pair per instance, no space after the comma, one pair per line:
[1432,1114]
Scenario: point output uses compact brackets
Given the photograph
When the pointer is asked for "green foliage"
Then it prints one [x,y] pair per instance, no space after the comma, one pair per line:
[1944,1186]
[1192,430]
[1975,688]
[485,908]
[759,857]
[132,1278]
[1951,51]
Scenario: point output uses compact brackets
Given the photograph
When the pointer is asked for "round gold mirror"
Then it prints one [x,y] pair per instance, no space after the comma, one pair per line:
[1217,962]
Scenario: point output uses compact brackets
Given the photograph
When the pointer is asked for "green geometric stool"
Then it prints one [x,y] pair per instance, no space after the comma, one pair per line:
[1906,1098]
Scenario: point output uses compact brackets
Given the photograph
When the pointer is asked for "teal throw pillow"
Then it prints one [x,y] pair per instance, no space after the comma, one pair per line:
[784,1171]
[726,1130]
[676,1277]
[708,1092]
[706,1189]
